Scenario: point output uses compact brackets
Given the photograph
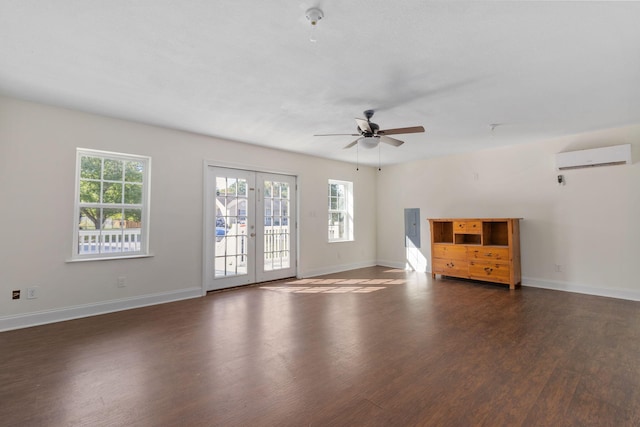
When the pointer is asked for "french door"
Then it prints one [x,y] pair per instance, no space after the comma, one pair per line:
[250,227]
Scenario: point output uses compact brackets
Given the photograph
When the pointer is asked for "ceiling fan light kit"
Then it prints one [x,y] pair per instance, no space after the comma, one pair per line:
[368,142]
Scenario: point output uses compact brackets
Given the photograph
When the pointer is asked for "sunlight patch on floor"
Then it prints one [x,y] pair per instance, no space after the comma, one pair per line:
[318,286]
[325,289]
[339,281]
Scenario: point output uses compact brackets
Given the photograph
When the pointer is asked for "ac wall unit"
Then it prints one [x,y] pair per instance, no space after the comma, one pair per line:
[605,156]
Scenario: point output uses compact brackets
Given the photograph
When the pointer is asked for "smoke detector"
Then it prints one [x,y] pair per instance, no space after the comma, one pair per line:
[314,15]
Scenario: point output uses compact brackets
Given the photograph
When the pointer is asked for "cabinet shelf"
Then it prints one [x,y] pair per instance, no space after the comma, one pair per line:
[496,233]
[467,239]
[442,232]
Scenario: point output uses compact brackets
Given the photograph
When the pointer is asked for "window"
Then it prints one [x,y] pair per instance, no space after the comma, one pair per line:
[111,205]
[340,211]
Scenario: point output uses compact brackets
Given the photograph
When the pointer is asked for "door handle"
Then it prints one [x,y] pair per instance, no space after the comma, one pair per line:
[252,234]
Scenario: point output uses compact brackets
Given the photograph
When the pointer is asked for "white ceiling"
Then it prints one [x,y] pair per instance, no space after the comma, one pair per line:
[247,71]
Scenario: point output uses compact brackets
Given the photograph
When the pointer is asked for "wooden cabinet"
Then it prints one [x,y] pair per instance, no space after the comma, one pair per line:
[477,248]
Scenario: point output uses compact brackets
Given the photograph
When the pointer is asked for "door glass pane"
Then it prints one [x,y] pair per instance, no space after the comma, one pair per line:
[231,222]
[276,226]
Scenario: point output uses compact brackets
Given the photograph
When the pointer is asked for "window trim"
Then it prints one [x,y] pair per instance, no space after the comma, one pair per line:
[349,235]
[145,214]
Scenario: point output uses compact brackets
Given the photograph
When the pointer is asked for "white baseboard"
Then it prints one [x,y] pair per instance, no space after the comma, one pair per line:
[393,264]
[335,269]
[75,312]
[628,294]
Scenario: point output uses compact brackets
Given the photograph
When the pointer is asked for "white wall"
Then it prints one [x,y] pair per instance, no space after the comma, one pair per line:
[590,226]
[37,169]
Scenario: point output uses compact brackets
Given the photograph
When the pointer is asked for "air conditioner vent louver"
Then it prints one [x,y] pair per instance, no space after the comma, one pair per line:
[605,156]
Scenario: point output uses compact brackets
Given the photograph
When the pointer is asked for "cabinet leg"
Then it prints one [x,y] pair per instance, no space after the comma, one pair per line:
[433,275]
[512,286]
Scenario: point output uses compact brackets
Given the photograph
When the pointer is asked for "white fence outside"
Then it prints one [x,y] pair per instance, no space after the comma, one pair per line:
[232,246]
[231,250]
[109,241]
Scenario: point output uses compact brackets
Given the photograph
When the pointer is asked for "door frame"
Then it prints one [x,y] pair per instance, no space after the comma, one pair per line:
[245,234]
[261,227]
[250,168]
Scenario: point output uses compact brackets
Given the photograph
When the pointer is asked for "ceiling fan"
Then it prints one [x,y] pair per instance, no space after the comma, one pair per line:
[370,134]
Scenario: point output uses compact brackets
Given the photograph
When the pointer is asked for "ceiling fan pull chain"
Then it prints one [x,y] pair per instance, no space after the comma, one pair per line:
[357,158]
[379,158]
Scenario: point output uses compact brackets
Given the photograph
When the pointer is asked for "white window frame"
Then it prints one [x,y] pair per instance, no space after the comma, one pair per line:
[348,235]
[144,206]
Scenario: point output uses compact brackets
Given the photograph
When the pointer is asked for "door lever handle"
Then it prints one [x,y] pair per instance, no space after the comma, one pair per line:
[252,234]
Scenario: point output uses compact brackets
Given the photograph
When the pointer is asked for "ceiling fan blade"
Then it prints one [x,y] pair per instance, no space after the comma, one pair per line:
[396,131]
[352,144]
[337,134]
[364,125]
[391,141]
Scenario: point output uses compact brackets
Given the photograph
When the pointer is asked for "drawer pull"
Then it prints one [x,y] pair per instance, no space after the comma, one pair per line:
[490,254]
[488,270]
[450,265]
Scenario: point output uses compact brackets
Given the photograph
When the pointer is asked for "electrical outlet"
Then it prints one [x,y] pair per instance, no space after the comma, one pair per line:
[558,268]
[33,292]
[15,294]
[122,282]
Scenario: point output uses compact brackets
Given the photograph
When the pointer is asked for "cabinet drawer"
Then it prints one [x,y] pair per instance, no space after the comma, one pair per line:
[500,254]
[467,227]
[489,271]
[449,251]
[450,267]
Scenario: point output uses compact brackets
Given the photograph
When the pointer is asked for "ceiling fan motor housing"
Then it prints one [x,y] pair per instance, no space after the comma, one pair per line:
[374,130]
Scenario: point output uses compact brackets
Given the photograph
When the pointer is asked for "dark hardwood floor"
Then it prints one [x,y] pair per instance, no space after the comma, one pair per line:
[370,347]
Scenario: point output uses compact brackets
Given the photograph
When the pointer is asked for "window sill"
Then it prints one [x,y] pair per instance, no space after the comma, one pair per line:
[110,258]
[342,241]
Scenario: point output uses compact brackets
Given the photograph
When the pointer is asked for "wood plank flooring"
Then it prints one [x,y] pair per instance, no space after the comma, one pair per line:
[369,347]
